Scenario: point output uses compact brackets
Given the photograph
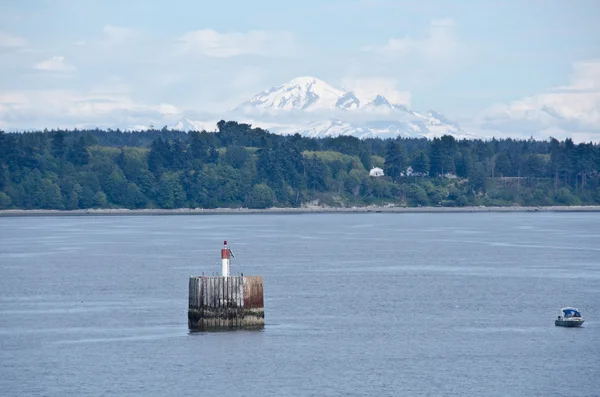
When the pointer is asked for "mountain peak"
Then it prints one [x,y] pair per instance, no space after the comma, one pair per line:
[304,80]
[300,93]
[380,100]
[348,101]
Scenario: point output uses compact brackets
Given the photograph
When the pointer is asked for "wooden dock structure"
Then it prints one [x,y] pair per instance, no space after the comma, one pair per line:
[222,302]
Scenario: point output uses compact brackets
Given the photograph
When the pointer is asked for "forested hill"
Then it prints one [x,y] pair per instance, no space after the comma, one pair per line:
[239,166]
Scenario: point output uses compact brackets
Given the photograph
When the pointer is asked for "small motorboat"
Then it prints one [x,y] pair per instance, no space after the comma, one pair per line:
[569,317]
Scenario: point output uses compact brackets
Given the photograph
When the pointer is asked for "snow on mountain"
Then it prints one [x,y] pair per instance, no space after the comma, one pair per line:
[379,102]
[348,101]
[302,93]
[186,124]
[312,107]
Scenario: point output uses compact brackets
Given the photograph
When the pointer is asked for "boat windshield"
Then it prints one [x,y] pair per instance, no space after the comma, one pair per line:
[571,313]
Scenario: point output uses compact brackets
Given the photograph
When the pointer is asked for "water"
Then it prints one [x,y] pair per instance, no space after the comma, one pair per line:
[355,304]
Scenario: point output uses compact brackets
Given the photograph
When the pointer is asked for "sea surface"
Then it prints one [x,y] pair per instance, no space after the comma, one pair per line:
[449,304]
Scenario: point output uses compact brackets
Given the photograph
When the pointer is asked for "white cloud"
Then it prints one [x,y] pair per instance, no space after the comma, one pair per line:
[366,89]
[440,44]
[55,64]
[210,43]
[585,77]
[68,108]
[168,109]
[418,61]
[11,41]
[565,111]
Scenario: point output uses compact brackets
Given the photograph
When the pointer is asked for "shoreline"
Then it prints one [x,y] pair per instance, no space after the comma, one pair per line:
[302,210]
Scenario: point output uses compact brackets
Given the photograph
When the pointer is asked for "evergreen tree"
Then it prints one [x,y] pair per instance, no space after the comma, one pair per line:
[464,164]
[116,187]
[420,163]
[477,181]
[503,165]
[395,159]
[170,193]
[235,156]
[79,153]
[58,144]
[160,156]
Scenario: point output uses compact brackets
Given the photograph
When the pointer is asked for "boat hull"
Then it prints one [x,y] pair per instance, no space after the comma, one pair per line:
[571,323]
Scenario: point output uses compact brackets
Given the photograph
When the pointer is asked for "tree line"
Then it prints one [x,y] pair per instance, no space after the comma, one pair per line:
[241,166]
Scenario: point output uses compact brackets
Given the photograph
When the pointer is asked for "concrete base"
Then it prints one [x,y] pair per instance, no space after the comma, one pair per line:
[226,302]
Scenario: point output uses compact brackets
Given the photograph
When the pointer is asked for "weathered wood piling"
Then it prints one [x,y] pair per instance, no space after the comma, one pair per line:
[218,302]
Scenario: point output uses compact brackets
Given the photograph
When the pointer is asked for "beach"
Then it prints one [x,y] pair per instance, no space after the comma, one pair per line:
[299,210]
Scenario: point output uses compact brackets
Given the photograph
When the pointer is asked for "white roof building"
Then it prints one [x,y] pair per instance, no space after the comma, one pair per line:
[376,171]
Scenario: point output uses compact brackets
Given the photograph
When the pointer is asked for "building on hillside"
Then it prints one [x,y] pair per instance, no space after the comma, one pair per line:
[411,172]
[408,172]
[376,171]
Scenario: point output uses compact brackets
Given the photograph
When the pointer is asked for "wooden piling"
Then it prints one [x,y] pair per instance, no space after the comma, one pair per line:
[217,302]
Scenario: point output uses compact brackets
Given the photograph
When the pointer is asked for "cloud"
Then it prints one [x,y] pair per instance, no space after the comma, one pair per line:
[418,61]
[367,88]
[440,44]
[55,64]
[107,108]
[210,43]
[573,109]
[11,41]
[585,77]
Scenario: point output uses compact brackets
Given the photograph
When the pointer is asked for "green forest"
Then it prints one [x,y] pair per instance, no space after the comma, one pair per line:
[241,166]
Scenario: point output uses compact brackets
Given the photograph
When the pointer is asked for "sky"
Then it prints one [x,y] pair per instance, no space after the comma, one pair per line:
[503,68]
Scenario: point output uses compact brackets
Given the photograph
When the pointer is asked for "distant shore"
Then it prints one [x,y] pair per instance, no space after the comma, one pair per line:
[302,210]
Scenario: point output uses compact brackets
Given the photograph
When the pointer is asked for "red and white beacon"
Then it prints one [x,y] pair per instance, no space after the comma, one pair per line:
[225,254]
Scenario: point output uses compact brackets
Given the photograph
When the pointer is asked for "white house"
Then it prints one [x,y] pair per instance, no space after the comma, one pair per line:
[376,171]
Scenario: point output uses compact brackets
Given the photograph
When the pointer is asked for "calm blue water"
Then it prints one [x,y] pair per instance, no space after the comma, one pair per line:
[355,304]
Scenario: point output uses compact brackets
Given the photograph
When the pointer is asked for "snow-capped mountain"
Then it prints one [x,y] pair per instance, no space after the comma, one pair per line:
[301,93]
[311,107]
[186,124]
